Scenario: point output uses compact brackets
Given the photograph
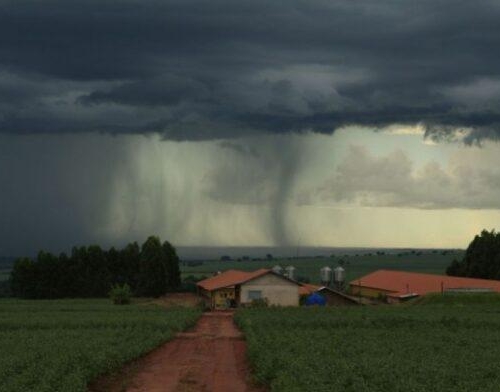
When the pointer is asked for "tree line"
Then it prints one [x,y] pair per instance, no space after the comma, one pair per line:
[150,270]
[481,259]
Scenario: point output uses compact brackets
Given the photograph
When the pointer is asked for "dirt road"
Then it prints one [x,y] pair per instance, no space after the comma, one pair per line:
[209,358]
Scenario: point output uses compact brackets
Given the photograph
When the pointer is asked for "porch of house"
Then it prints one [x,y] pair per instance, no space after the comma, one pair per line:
[221,299]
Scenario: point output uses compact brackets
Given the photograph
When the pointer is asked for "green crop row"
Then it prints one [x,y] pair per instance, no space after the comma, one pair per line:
[417,348]
[62,345]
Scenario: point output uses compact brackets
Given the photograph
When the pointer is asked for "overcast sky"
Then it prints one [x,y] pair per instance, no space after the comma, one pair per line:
[248,123]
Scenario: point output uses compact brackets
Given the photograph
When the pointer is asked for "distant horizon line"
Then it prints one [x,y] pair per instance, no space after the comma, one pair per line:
[301,249]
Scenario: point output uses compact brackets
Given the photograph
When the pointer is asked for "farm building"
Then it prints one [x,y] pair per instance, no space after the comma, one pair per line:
[337,298]
[397,286]
[233,288]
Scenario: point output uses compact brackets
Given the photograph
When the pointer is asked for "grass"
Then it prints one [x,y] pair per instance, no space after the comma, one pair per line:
[444,346]
[356,267]
[62,345]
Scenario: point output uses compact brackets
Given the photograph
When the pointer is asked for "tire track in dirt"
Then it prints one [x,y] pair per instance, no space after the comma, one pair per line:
[211,357]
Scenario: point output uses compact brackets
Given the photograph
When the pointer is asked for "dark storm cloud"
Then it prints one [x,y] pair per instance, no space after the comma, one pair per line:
[56,192]
[203,70]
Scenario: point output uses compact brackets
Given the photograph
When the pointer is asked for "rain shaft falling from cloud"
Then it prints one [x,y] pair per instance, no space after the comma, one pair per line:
[98,188]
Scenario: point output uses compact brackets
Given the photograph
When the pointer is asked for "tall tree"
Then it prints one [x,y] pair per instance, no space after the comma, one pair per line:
[152,269]
[23,278]
[66,283]
[130,258]
[48,276]
[98,271]
[481,259]
[172,267]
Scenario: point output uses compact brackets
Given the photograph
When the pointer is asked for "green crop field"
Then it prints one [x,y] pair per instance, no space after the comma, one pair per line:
[356,266]
[62,345]
[446,345]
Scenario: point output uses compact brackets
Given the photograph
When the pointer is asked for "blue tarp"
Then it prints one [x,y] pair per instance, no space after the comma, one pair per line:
[315,299]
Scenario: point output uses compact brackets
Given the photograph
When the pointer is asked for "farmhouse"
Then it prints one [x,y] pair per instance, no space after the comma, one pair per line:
[233,288]
[397,286]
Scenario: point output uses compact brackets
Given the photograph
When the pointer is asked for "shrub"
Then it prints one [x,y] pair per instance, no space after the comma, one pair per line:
[259,303]
[120,294]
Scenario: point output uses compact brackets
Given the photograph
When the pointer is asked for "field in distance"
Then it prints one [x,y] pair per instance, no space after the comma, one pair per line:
[356,265]
[447,345]
[62,345]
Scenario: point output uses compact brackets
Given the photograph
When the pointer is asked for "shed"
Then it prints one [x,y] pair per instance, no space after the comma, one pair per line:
[337,298]
[398,286]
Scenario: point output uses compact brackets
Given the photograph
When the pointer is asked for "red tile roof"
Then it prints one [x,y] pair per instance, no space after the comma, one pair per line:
[306,288]
[400,283]
[230,278]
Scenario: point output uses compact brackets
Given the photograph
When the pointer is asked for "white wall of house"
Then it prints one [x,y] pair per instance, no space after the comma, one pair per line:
[277,290]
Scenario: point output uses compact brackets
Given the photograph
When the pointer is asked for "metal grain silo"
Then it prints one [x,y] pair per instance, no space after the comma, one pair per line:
[339,274]
[325,275]
[278,269]
[290,272]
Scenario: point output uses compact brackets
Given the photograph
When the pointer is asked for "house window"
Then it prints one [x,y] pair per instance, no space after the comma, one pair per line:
[254,294]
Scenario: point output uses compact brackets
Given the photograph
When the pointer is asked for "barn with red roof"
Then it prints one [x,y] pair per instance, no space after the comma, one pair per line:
[397,286]
[232,288]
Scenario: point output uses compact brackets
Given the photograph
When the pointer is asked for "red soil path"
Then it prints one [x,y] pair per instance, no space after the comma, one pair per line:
[211,357]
